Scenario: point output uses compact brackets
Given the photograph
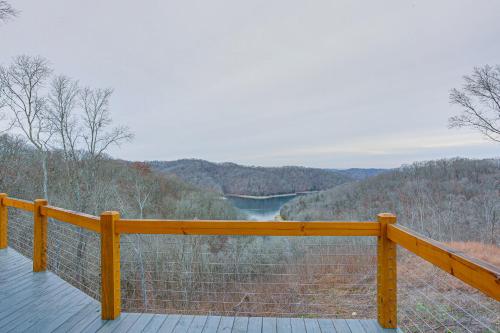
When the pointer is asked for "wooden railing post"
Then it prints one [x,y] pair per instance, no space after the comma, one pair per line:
[110,267]
[4,223]
[39,237]
[386,275]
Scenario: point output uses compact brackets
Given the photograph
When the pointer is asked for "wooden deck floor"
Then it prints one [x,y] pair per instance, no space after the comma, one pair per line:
[42,302]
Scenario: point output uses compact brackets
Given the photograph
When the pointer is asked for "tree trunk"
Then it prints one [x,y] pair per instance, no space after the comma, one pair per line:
[45,175]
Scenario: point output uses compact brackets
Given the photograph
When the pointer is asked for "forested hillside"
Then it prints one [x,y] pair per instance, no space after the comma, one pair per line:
[359,173]
[230,178]
[93,186]
[450,200]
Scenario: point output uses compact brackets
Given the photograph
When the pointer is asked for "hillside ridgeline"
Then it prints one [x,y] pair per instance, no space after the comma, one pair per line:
[231,178]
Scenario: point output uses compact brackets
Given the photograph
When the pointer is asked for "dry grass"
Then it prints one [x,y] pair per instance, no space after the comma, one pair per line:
[486,252]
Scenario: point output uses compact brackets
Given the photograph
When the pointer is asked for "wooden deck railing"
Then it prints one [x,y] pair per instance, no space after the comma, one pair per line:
[110,226]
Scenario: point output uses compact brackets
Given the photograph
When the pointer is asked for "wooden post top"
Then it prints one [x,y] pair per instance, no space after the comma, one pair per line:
[2,195]
[388,218]
[110,212]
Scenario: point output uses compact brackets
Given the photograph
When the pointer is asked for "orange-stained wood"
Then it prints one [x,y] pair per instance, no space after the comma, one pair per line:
[85,221]
[110,267]
[248,228]
[39,237]
[4,223]
[19,204]
[386,275]
[474,272]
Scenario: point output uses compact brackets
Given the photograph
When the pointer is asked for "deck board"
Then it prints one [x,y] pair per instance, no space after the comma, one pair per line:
[298,325]
[326,326]
[141,323]
[312,325]
[212,324]
[183,324]
[254,325]
[225,325]
[269,325]
[92,310]
[169,323]
[155,324]
[198,324]
[341,326]
[43,302]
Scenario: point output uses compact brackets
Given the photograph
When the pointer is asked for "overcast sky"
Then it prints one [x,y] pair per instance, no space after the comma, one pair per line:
[316,83]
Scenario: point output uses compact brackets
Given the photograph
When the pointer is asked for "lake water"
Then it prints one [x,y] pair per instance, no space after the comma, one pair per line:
[260,209]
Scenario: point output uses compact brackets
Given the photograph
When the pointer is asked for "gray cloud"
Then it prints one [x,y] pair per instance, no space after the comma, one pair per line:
[316,83]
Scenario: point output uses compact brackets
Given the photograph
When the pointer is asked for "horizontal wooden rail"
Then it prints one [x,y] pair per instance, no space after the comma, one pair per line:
[28,206]
[474,272]
[82,220]
[247,228]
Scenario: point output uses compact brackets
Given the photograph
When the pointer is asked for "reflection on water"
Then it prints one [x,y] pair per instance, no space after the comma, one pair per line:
[260,209]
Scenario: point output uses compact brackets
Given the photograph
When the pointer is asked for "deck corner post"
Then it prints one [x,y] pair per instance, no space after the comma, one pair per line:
[110,267]
[387,310]
[39,237]
[4,223]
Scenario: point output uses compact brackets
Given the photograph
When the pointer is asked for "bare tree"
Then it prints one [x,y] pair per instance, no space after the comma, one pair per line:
[7,11]
[21,83]
[62,108]
[97,119]
[63,100]
[144,186]
[480,102]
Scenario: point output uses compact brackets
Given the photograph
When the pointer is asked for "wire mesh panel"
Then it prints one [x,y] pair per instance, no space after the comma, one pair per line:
[257,276]
[431,300]
[74,255]
[21,232]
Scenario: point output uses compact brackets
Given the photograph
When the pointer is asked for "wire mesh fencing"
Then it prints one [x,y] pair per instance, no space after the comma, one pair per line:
[252,276]
[431,300]
[74,254]
[21,232]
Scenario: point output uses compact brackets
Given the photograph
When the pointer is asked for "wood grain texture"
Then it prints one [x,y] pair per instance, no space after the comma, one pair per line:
[248,228]
[4,222]
[28,206]
[110,266]
[39,237]
[387,311]
[474,272]
[89,222]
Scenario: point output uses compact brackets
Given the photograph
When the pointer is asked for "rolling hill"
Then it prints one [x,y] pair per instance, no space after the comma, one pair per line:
[231,178]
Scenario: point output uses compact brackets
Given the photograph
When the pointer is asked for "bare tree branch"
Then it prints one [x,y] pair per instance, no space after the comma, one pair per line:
[7,11]
[480,102]
[63,100]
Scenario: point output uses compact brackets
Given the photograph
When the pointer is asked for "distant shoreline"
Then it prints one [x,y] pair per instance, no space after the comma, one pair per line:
[264,197]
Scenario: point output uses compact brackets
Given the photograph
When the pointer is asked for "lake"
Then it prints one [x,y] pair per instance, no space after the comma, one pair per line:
[260,209]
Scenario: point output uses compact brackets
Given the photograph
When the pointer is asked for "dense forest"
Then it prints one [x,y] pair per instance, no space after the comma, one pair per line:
[231,178]
[450,200]
[360,173]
